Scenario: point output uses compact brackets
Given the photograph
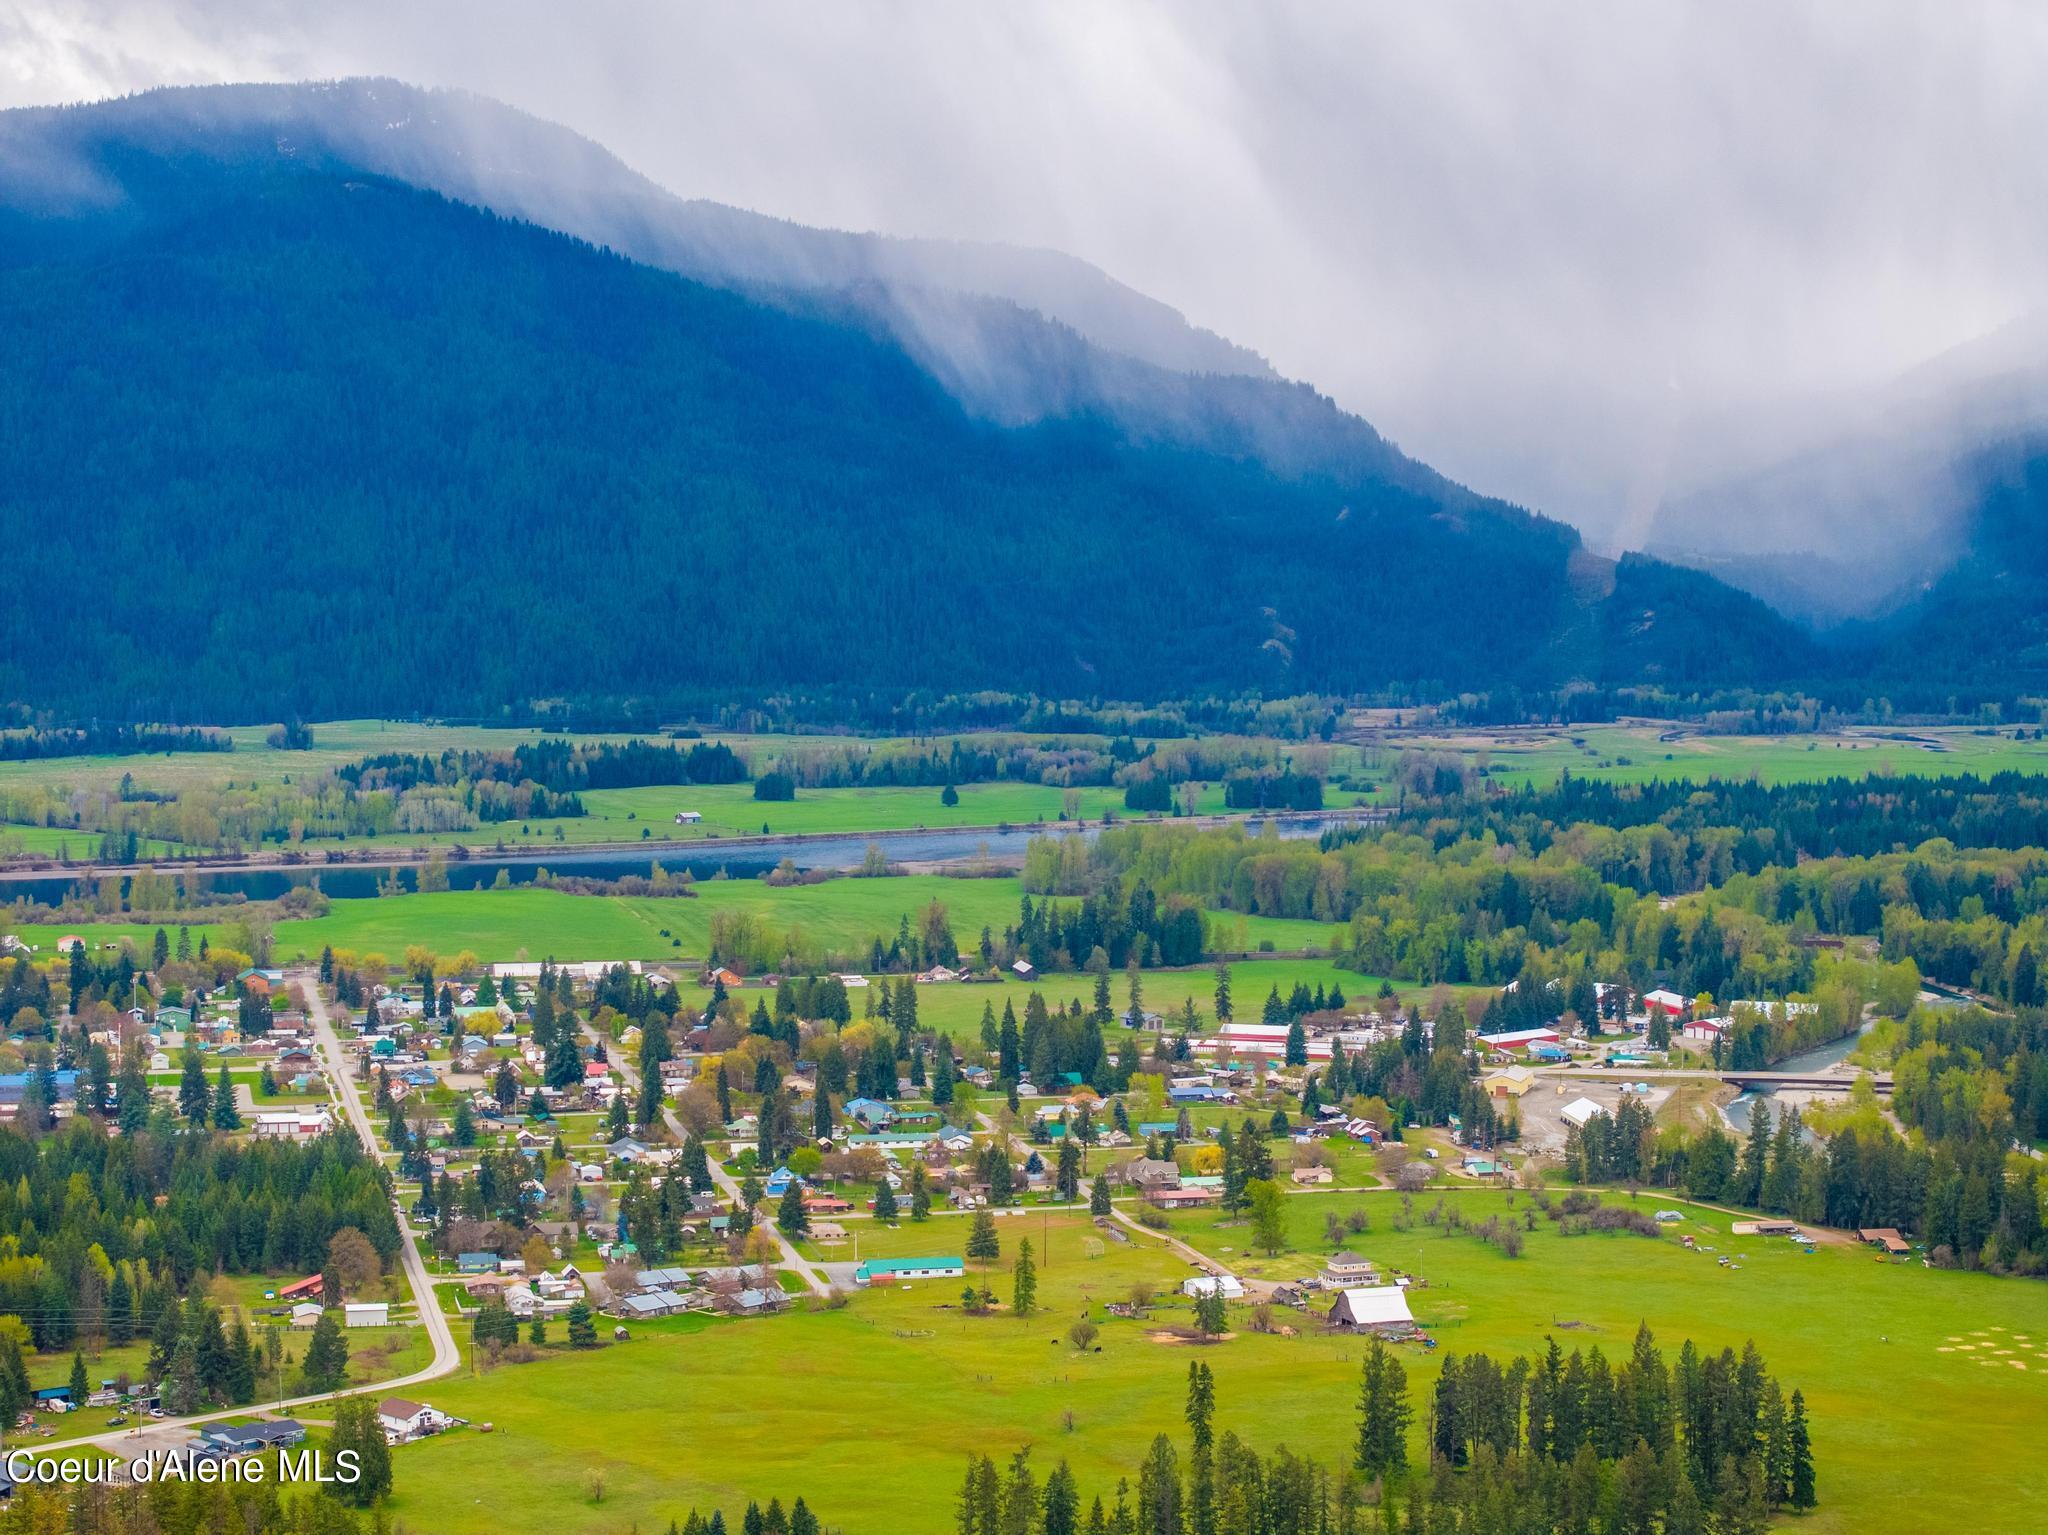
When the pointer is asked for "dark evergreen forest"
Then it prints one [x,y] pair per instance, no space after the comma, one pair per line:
[332,445]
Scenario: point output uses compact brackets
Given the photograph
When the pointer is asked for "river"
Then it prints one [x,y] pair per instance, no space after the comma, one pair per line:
[1819,1058]
[740,857]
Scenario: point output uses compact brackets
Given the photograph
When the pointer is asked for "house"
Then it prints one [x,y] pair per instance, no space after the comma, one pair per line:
[689,817]
[1229,1286]
[888,1270]
[307,1314]
[779,1182]
[1306,1175]
[1150,1173]
[825,1204]
[1382,1309]
[223,1440]
[1581,1112]
[404,1420]
[1509,1082]
[627,1149]
[722,976]
[303,1289]
[753,1302]
[1183,1198]
[366,1313]
[870,1113]
[1347,1270]
[1200,1092]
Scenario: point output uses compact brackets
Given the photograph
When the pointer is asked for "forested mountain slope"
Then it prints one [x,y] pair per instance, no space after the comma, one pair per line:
[306,440]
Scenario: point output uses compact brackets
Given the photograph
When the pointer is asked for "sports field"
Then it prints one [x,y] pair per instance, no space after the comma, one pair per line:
[656,1417]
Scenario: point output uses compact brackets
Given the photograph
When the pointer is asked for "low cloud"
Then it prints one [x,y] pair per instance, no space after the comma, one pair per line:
[1550,249]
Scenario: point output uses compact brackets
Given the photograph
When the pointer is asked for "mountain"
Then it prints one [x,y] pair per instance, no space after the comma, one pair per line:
[1909,523]
[483,152]
[1853,507]
[292,433]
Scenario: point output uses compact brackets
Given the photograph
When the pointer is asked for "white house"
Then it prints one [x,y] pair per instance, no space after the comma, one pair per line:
[1229,1286]
[402,1419]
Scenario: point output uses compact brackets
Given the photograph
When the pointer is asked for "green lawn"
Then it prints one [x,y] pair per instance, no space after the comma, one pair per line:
[1863,1340]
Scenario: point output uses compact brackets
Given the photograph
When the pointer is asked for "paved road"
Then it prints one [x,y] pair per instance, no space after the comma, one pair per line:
[156,1433]
[447,1356]
[729,1186]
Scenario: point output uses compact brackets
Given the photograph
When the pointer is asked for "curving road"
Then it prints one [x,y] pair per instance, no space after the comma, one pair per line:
[729,1186]
[447,1355]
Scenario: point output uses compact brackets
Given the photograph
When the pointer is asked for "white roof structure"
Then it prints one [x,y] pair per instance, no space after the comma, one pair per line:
[1580,1110]
[1379,1306]
[1227,1285]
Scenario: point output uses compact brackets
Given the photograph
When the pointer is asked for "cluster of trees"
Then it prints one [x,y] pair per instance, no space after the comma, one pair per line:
[1123,928]
[89,1215]
[1726,826]
[1713,1430]
[1560,1444]
[109,738]
[1281,790]
[179,1506]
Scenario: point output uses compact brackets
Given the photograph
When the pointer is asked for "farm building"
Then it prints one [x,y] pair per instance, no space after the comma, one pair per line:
[887,1270]
[1382,1309]
[1509,1082]
[1669,1003]
[367,1313]
[1883,1236]
[1581,1112]
[1229,1286]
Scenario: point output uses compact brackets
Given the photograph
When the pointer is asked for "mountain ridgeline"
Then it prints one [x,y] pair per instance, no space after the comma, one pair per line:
[311,439]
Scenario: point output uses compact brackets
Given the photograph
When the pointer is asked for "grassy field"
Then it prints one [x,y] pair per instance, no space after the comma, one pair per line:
[1636,754]
[1892,1361]
[841,914]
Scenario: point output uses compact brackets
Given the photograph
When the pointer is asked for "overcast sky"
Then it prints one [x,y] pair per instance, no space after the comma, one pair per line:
[1526,240]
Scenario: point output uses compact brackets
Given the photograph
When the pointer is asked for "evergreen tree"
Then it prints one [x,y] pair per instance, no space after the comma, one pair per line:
[790,1215]
[225,1115]
[1024,1277]
[194,1102]
[1801,1447]
[326,1365]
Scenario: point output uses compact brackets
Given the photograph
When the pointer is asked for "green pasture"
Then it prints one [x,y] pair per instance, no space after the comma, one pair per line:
[1636,754]
[1877,1348]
